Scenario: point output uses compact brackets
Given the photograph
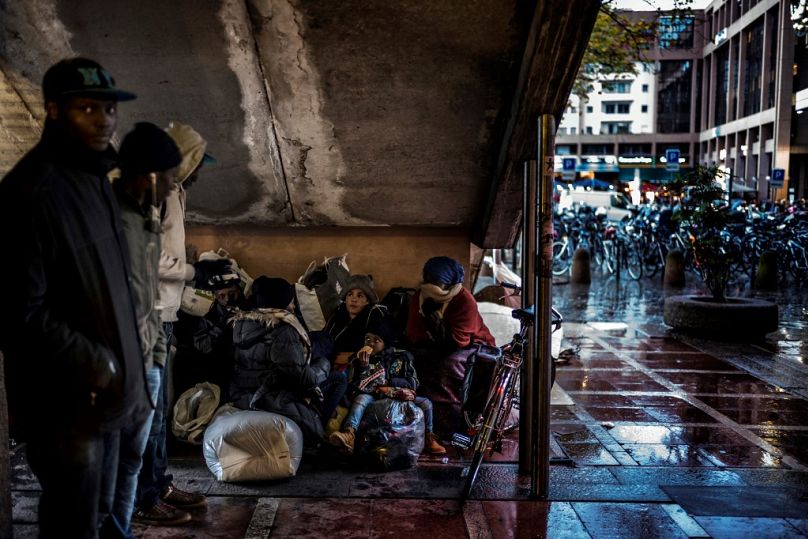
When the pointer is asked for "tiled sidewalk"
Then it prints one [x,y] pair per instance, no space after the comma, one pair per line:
[667,441]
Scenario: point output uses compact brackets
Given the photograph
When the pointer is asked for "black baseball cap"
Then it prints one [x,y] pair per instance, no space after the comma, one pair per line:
[81,77]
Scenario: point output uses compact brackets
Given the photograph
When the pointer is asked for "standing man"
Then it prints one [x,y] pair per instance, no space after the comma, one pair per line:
[159,502]
[148,161]
[68,328]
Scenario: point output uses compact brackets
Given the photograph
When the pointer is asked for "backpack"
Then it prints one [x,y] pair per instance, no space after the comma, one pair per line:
[397,301]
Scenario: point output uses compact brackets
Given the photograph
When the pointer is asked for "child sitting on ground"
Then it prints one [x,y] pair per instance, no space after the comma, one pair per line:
[378,370]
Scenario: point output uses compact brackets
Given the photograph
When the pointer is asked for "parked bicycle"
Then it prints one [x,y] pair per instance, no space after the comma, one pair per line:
[488,427]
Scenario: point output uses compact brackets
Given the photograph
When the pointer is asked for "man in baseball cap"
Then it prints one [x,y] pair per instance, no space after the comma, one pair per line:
[70,335]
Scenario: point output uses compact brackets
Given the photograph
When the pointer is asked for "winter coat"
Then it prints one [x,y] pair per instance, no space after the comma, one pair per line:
[274,370]
[69,309]
[399,371]
[464,325]
[142,228]
[349,335]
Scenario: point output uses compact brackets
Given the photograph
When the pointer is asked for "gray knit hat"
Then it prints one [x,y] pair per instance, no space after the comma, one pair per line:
[363,283]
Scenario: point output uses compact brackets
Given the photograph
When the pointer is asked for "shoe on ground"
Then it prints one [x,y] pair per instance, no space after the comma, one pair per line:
[344,441]
[432,446]
[161,514]
[182,499]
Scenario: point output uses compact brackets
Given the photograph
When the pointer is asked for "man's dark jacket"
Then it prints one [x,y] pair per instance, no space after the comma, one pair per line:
[69,332]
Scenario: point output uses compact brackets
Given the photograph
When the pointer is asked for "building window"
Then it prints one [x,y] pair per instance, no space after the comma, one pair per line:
[644,108]
[597,149]
[573,130]
[645,88]
[616,107]
[722,64]
[676,32]
[673,96]
[588,129]
[615,128]
[616,86]
[589,108]
[573,109]
[753,69]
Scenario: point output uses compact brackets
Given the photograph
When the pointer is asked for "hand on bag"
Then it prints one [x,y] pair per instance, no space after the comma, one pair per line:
[404,394]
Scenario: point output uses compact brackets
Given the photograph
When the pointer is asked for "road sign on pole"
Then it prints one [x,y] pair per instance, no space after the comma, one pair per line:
[778,178]
[672,159]
[568,168]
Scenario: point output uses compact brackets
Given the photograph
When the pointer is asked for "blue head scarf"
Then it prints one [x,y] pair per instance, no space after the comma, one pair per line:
[444,270]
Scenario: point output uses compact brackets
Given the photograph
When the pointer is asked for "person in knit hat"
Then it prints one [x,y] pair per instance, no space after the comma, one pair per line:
[149,161]
[349,323]
[378,371]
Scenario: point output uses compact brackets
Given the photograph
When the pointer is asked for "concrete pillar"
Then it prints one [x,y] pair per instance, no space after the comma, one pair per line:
[674,274]
[784,84]
[5,468]
[581,272]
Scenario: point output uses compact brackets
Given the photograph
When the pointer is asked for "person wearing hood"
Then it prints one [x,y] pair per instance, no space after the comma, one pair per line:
[348,325]
[274,369]
[159,502]
[74,365]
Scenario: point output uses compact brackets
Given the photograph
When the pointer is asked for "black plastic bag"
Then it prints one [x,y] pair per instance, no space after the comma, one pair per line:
[391,435]
[479,372]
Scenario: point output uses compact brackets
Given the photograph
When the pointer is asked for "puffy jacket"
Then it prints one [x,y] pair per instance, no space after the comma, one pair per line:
[69,310]
[274,370]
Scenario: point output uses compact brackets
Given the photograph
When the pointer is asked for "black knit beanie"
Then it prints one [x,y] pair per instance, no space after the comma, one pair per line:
[147,148]
[272,292]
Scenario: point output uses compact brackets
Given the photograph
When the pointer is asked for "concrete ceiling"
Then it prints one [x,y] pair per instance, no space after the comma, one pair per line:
[321,113]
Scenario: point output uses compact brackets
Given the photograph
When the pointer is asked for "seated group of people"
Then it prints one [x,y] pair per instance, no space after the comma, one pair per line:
[267,359]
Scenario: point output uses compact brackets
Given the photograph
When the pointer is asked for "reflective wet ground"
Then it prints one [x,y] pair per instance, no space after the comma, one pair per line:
[668,435]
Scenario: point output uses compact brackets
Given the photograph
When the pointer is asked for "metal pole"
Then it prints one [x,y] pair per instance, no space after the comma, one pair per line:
[542,372]
[527,390]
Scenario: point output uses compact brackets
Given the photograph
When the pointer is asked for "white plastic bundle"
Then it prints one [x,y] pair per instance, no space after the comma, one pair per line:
[248,445]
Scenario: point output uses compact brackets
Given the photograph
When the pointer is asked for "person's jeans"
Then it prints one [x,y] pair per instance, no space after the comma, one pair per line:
[124,450]
[66,464]
[362,401]
[360,404]
[153,478]
[426,406]
[333,388]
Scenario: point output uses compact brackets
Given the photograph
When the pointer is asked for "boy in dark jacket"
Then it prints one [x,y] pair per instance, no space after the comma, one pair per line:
[379,371]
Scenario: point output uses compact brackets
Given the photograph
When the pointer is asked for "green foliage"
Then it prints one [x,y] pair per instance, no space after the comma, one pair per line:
[617,42]
[706,214]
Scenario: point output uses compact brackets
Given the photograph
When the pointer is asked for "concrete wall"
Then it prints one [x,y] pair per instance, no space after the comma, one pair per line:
[394,256]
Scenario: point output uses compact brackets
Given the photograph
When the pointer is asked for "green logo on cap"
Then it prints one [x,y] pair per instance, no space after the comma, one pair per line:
[92,76]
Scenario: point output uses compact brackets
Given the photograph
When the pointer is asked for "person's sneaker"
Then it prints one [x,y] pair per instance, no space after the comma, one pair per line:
[161,514]
[344,441]
[179,498]
[432,446]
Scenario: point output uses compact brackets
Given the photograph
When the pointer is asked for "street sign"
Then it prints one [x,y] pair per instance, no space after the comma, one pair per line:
[672,159]
[778,177]
[568,168]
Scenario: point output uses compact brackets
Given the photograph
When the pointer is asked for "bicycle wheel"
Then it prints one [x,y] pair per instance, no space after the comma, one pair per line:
[634,263]
[561,258]
[490,420]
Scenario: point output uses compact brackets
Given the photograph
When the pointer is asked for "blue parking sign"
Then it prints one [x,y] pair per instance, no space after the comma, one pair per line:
[568,164]
[778,177]
[672,159]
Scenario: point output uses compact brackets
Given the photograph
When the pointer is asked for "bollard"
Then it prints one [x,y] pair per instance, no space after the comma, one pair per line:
[674,269]
[580,272]
[766,276]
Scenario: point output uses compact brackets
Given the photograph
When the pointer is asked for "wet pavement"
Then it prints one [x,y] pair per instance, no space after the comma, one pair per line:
[669,436]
